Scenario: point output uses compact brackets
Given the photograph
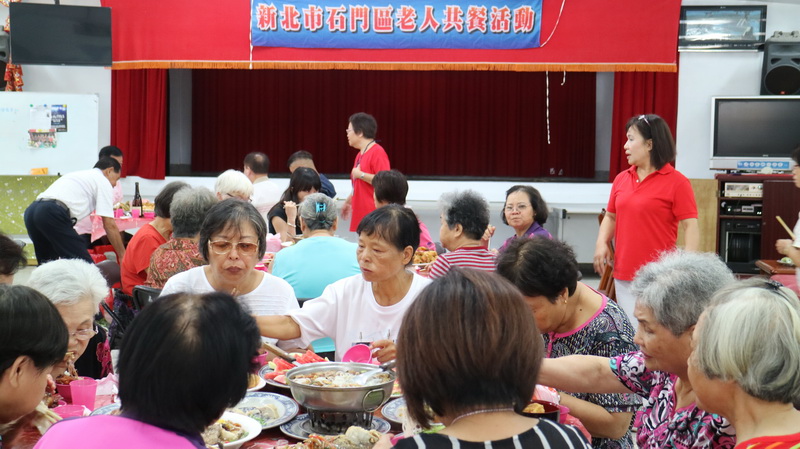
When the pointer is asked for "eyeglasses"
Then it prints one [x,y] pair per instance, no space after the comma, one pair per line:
[644,117]
[518,207]
[223,247]
[84,334]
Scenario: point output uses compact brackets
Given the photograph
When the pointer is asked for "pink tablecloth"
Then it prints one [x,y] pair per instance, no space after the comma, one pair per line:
[124,224]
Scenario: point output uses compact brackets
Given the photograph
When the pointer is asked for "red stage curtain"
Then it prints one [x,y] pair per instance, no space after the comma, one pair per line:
[431,123]
[139,120]
[637,93]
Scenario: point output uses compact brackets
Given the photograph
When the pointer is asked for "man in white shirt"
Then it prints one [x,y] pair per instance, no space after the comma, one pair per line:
[72,197]
[84,227]
[265,192]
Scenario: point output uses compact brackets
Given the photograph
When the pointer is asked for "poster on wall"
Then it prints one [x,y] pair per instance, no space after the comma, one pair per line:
[58,117]
[416,24]
[40,131]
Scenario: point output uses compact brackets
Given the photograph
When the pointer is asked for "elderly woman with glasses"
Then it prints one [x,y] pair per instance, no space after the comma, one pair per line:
[647,203]
[77,288]
[671,293]
[232,241]
[745,364]
[526,211]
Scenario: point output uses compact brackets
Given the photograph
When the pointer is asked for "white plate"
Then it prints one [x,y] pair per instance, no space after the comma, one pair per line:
[250,425]
[287,407]
[266,369]
[300,427]
[106,409]
[259,385]
[395,411]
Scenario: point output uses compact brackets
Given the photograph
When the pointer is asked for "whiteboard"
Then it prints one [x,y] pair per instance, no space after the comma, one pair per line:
[74,149]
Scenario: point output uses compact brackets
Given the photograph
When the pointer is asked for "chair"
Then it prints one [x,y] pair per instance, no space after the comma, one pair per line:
[606,286]
[144,295]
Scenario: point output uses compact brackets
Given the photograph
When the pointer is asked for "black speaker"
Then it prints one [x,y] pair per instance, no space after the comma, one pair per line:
[780,73]
[3,47]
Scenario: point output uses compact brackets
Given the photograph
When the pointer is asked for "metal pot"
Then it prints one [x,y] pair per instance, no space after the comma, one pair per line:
[340,399]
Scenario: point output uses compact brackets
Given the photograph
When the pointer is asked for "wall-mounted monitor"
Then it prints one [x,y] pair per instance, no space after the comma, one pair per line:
[722,27]
[60,35]
[752,133]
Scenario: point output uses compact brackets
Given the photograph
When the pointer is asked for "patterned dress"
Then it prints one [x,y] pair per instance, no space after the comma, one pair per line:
[659,424]
[171,258]
[607,334]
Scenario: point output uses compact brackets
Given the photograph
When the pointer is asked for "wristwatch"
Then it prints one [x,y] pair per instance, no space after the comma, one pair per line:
[362,175]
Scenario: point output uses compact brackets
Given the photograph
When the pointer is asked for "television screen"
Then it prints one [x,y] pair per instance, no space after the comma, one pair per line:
[751,133]
[722,27]
[60,35]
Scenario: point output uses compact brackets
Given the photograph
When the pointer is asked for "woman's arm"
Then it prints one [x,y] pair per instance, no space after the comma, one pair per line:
[691,234]
[598,421]
[580,373]
[281,327]
[602,256]
[283,228]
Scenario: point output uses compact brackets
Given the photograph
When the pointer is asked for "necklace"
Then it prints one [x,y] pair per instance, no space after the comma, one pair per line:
[478,412]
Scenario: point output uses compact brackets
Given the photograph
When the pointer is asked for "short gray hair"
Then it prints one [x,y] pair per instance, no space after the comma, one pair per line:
[69,281]
[233,183]
[467,208]
[751,335]
[679,285]
[188,210]
[318,211]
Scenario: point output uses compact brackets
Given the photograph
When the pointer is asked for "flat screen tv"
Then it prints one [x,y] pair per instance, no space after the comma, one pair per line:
[722,27]
[752,133]
[60,35]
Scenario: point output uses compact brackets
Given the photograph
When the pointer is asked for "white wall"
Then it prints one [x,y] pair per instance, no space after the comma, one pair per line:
[707,74]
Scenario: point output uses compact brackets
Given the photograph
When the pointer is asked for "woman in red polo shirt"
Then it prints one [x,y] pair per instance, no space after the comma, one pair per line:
[646,204]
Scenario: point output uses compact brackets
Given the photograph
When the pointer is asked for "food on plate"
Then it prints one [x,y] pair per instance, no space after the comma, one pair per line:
[423,255]
[340,379]
[354,438]
[71,374]
[534,407]
[222,432]
[264,414]
[252,380]
[786,261]
[280,366]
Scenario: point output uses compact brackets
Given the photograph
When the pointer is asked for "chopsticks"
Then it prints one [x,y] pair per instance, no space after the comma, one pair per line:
[783,223]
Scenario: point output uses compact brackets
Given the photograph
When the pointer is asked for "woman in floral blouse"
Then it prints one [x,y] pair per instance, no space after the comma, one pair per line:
[180,253]
[671,294]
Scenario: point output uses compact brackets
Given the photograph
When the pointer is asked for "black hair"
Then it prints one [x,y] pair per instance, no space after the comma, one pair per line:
[303,179]
[163,201]
[109,151]
[258,162]
[394,223]
[108,162]
[185,359]
[654,128]
[540,267]
[232,213]
[364,124]
[12,257]
[390,186]
[31,326]
[469,209]
[796,155]
[298,155]
[537,203]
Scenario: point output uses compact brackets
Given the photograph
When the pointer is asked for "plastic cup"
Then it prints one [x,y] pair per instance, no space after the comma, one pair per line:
[135,213]
[150,215]
[118,213]
[69,411]
[84,392]
[358,353]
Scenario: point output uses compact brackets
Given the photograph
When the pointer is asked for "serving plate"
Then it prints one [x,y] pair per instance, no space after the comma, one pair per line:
[107,409]
[300,427]
[287,407]
[264,371]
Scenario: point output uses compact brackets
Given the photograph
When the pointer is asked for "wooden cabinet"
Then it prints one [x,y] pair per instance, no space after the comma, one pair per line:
[746,225]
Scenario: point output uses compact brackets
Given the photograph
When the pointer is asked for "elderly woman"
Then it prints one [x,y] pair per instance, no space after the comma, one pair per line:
[320,259]
[671,293]
[77,288]
[133,269]
[474,381]
[574,319]
[180,253]
[647,204]
[233,184]
[232,242]
[526,211]
[33,339]
[183,361]
[367,307]
[746,362]
[12,258]
[282,218]
[465,217]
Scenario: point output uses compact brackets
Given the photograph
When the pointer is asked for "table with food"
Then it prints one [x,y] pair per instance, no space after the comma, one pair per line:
[126,218]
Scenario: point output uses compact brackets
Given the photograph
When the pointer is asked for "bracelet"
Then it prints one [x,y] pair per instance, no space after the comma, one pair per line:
[291,225]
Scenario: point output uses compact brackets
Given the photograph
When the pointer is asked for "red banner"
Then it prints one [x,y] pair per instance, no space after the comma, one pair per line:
[626,35]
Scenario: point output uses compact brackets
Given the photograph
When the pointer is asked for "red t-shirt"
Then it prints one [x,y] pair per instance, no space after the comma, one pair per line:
[137,257]
[647,216]
[772,442]
[373,161]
